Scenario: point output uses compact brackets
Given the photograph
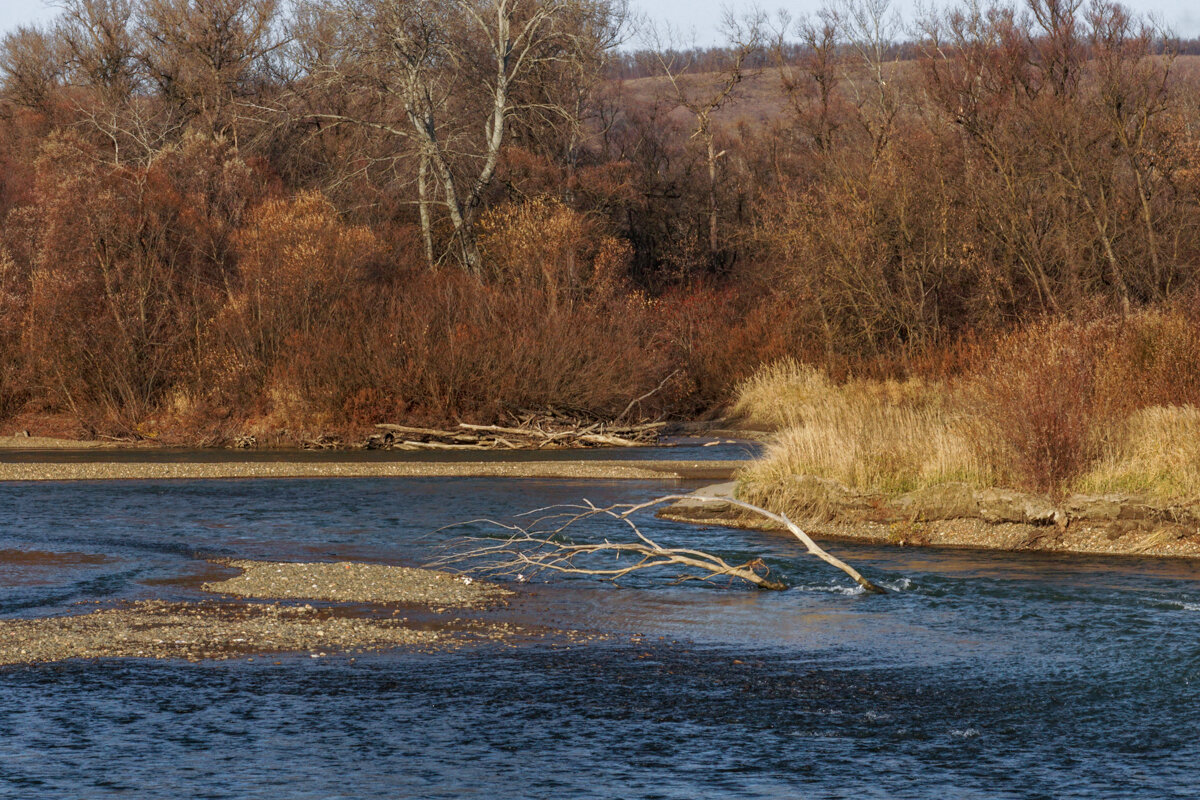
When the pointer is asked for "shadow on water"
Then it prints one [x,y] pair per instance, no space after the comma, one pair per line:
[982,675]
[678,448]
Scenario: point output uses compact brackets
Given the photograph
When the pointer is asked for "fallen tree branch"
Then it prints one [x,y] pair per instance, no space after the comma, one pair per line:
[549,430]
[810,545]
[542,546]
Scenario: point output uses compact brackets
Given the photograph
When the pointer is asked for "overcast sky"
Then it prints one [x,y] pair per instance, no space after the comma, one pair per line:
[698,17]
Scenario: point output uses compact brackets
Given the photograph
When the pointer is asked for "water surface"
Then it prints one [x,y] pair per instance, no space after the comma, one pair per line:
[983,675]
[676,448]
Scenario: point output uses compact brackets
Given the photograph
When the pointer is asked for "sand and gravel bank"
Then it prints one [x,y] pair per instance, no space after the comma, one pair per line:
[191,470]
[197,631]
[224,629]
[353,582]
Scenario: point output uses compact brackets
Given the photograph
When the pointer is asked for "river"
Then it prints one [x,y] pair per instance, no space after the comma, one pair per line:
[982,675]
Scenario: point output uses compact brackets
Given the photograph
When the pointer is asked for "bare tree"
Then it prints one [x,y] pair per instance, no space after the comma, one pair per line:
[205,55]
[446,78]
[704,94]
[101,51]
[1133,91]
[871,28]
[810,83]
[30,66]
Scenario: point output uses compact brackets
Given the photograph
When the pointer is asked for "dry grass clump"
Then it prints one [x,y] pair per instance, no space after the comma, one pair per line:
[782,393]
[887,436]
[1155,454]
[1060,406]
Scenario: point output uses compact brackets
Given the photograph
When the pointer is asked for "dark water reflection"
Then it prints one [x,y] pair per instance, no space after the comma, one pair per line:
[983,676]
[676,448]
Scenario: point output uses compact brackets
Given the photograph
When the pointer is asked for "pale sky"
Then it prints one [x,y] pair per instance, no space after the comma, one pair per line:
[698,17]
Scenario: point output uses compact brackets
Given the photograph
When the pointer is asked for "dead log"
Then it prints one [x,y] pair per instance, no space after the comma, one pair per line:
[543,546]
[607,439]
[405,429]
[501,429]
[409,445]
[550,429]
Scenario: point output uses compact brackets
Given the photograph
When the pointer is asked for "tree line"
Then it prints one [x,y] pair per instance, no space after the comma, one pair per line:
[232,214]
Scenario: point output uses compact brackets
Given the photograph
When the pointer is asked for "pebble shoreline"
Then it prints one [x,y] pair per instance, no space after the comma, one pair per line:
[184,470]
[353,582]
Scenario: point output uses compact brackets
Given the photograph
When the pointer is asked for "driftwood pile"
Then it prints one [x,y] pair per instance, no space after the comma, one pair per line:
[528,432]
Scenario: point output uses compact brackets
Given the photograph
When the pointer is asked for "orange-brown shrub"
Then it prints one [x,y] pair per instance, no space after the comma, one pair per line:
[543,246]
[102,328]
[720,337]
[441,347]
[1039,395]
[127,266]
[14,380]
[302,272]
[1153,359]
[299,263]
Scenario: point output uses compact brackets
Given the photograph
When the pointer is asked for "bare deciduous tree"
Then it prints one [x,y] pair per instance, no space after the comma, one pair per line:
[30,66]
[810,82]
[445,78]
[704,94]
[203,55]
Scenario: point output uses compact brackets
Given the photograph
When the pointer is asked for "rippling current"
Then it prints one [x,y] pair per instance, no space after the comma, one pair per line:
[981,676]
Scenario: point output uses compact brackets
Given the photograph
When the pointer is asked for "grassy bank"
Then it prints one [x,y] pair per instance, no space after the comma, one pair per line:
[1059,408]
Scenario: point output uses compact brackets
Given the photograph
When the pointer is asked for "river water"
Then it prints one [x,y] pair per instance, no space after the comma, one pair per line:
[980,676]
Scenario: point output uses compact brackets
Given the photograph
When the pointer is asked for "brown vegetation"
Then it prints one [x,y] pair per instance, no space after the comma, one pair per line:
[221,217]
[1058,407]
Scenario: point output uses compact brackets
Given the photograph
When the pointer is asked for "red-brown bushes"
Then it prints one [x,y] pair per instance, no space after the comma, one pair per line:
[1153,359]
[302,273]
[445,347]
[719,337]
[127,265]
[103,332]
[299,265]
[1056,394]
[542,246]
[14,380]
[1039,395]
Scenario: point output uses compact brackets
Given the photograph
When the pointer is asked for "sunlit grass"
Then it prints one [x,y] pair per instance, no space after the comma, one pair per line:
[1157,455]
[893,437]
[887,436]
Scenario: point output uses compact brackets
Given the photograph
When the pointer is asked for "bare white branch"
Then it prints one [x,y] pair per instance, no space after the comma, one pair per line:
[541,545]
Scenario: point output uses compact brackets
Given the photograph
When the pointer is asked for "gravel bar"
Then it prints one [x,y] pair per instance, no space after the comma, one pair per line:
[196,631]
[224,629]
[354,582]
[585,470]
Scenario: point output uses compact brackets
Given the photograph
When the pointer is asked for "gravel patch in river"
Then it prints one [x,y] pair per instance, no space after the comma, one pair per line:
[216,630]
[353,582]
[195,631]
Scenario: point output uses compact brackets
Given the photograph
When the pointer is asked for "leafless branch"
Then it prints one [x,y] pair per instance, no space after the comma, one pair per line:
[525,549]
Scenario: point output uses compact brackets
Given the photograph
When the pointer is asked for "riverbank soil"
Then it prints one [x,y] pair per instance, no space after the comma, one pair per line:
[955,515]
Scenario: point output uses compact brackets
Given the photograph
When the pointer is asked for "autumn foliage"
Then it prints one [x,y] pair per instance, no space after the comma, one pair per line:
[196,247]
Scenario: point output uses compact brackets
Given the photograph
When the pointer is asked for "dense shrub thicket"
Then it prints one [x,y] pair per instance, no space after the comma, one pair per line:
[223,216]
